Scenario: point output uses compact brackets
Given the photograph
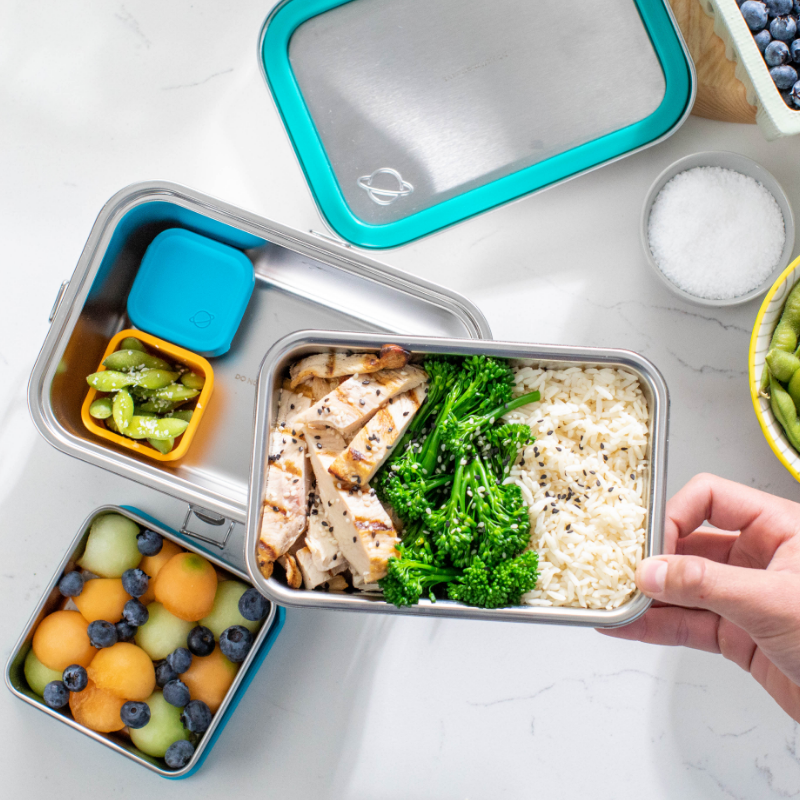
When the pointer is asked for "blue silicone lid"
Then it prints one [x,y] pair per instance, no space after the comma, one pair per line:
[191,290]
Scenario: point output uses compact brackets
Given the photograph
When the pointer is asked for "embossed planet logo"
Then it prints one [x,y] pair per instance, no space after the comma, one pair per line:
[202,319]
[381,194]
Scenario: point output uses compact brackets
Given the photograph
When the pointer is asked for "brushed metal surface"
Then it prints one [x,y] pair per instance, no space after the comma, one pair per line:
[302,343]
[302,281]
[52,600]
[457,93]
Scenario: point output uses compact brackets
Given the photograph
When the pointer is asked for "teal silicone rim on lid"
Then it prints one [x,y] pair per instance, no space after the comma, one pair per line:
[325,187]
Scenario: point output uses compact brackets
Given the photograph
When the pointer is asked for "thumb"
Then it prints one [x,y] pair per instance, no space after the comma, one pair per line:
[753,599]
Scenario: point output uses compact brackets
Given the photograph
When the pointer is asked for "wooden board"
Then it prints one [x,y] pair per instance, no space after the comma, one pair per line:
[720,95]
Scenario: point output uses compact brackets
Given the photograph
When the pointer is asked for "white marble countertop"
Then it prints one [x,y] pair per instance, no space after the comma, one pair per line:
[95,96]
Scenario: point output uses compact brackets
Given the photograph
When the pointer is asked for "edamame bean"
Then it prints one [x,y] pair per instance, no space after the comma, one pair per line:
[155,406]
[101,408]
[162,445]
[154,428]
[782,365]
[109,381]
[174,393]
[794,389]
[123,409]
[154,378]
[193,380]
[185,414]
[784,336]
[127,360]
[785,412]
[132,343]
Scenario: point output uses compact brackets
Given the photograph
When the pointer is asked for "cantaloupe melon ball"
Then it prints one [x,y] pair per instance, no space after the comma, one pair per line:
[125,670]
[209,678]
[186,586]
[151,566]
[97,709]
[61,639]
[102,598]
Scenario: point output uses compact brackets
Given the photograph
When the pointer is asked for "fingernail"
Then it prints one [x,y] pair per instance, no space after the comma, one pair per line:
[652,576]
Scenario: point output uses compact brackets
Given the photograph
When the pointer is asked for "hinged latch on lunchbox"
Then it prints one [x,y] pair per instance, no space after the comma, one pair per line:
[206,526]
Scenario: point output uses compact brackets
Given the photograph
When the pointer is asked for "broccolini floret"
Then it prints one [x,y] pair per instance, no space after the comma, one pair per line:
[465,529]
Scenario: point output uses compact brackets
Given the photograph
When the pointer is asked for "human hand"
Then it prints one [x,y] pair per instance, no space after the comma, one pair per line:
[737,594]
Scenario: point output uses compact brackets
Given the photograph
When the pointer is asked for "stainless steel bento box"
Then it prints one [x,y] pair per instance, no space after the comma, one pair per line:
[53,600]
[302,343]
[302,279]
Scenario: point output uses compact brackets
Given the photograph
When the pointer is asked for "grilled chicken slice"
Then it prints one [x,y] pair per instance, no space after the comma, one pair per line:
[320,540]
[316,388]
[338,583]
[373,444]
[284,513]
[293,577]
[337,363]
[312,575]
[354,402]
[361,526]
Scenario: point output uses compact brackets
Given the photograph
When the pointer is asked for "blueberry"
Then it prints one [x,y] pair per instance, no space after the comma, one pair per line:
[102,633]
[200,641]
[135,613]
[56,695]
[135,715]
[135,582]
[253,605]
[755,14]
[776,54]
[784,76]
[796,7]
[235,643]
[196,716]
[778,8]
[783,28]
[75,678]
[164,674]
[149,543]
[795,95]
[794,49]
[125,631]
[179,754]
[180,660]
[176,693]
[71,585]
[762,39]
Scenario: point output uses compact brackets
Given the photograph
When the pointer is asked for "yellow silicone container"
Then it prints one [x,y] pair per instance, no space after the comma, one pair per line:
[169,352]
[767,319]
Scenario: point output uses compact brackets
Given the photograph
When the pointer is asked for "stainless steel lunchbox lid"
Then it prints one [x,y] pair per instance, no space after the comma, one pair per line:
[408,116]
[302,280]
[303,343]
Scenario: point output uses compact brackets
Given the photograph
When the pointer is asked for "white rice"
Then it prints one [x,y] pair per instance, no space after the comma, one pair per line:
[584,481]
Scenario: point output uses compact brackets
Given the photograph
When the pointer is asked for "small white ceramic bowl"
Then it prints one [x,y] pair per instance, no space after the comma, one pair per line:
[767,319]
[744,166]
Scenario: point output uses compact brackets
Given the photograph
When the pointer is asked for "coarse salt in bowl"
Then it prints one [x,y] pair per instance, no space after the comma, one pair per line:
[717,228]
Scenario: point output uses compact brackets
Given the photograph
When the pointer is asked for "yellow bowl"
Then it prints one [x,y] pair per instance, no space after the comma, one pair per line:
[170,352]
[767,319]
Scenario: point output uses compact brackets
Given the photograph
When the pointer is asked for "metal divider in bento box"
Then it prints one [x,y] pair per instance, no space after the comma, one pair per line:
[228,696]
[301,279]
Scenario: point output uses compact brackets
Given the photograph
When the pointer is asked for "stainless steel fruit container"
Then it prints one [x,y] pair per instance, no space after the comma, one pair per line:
[303,343]
[302,280]
[53,600]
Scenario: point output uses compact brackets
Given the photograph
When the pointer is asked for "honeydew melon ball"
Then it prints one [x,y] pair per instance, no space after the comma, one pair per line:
[37,674]
[162,633]
[164,727]
[226,609]
[111,547]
